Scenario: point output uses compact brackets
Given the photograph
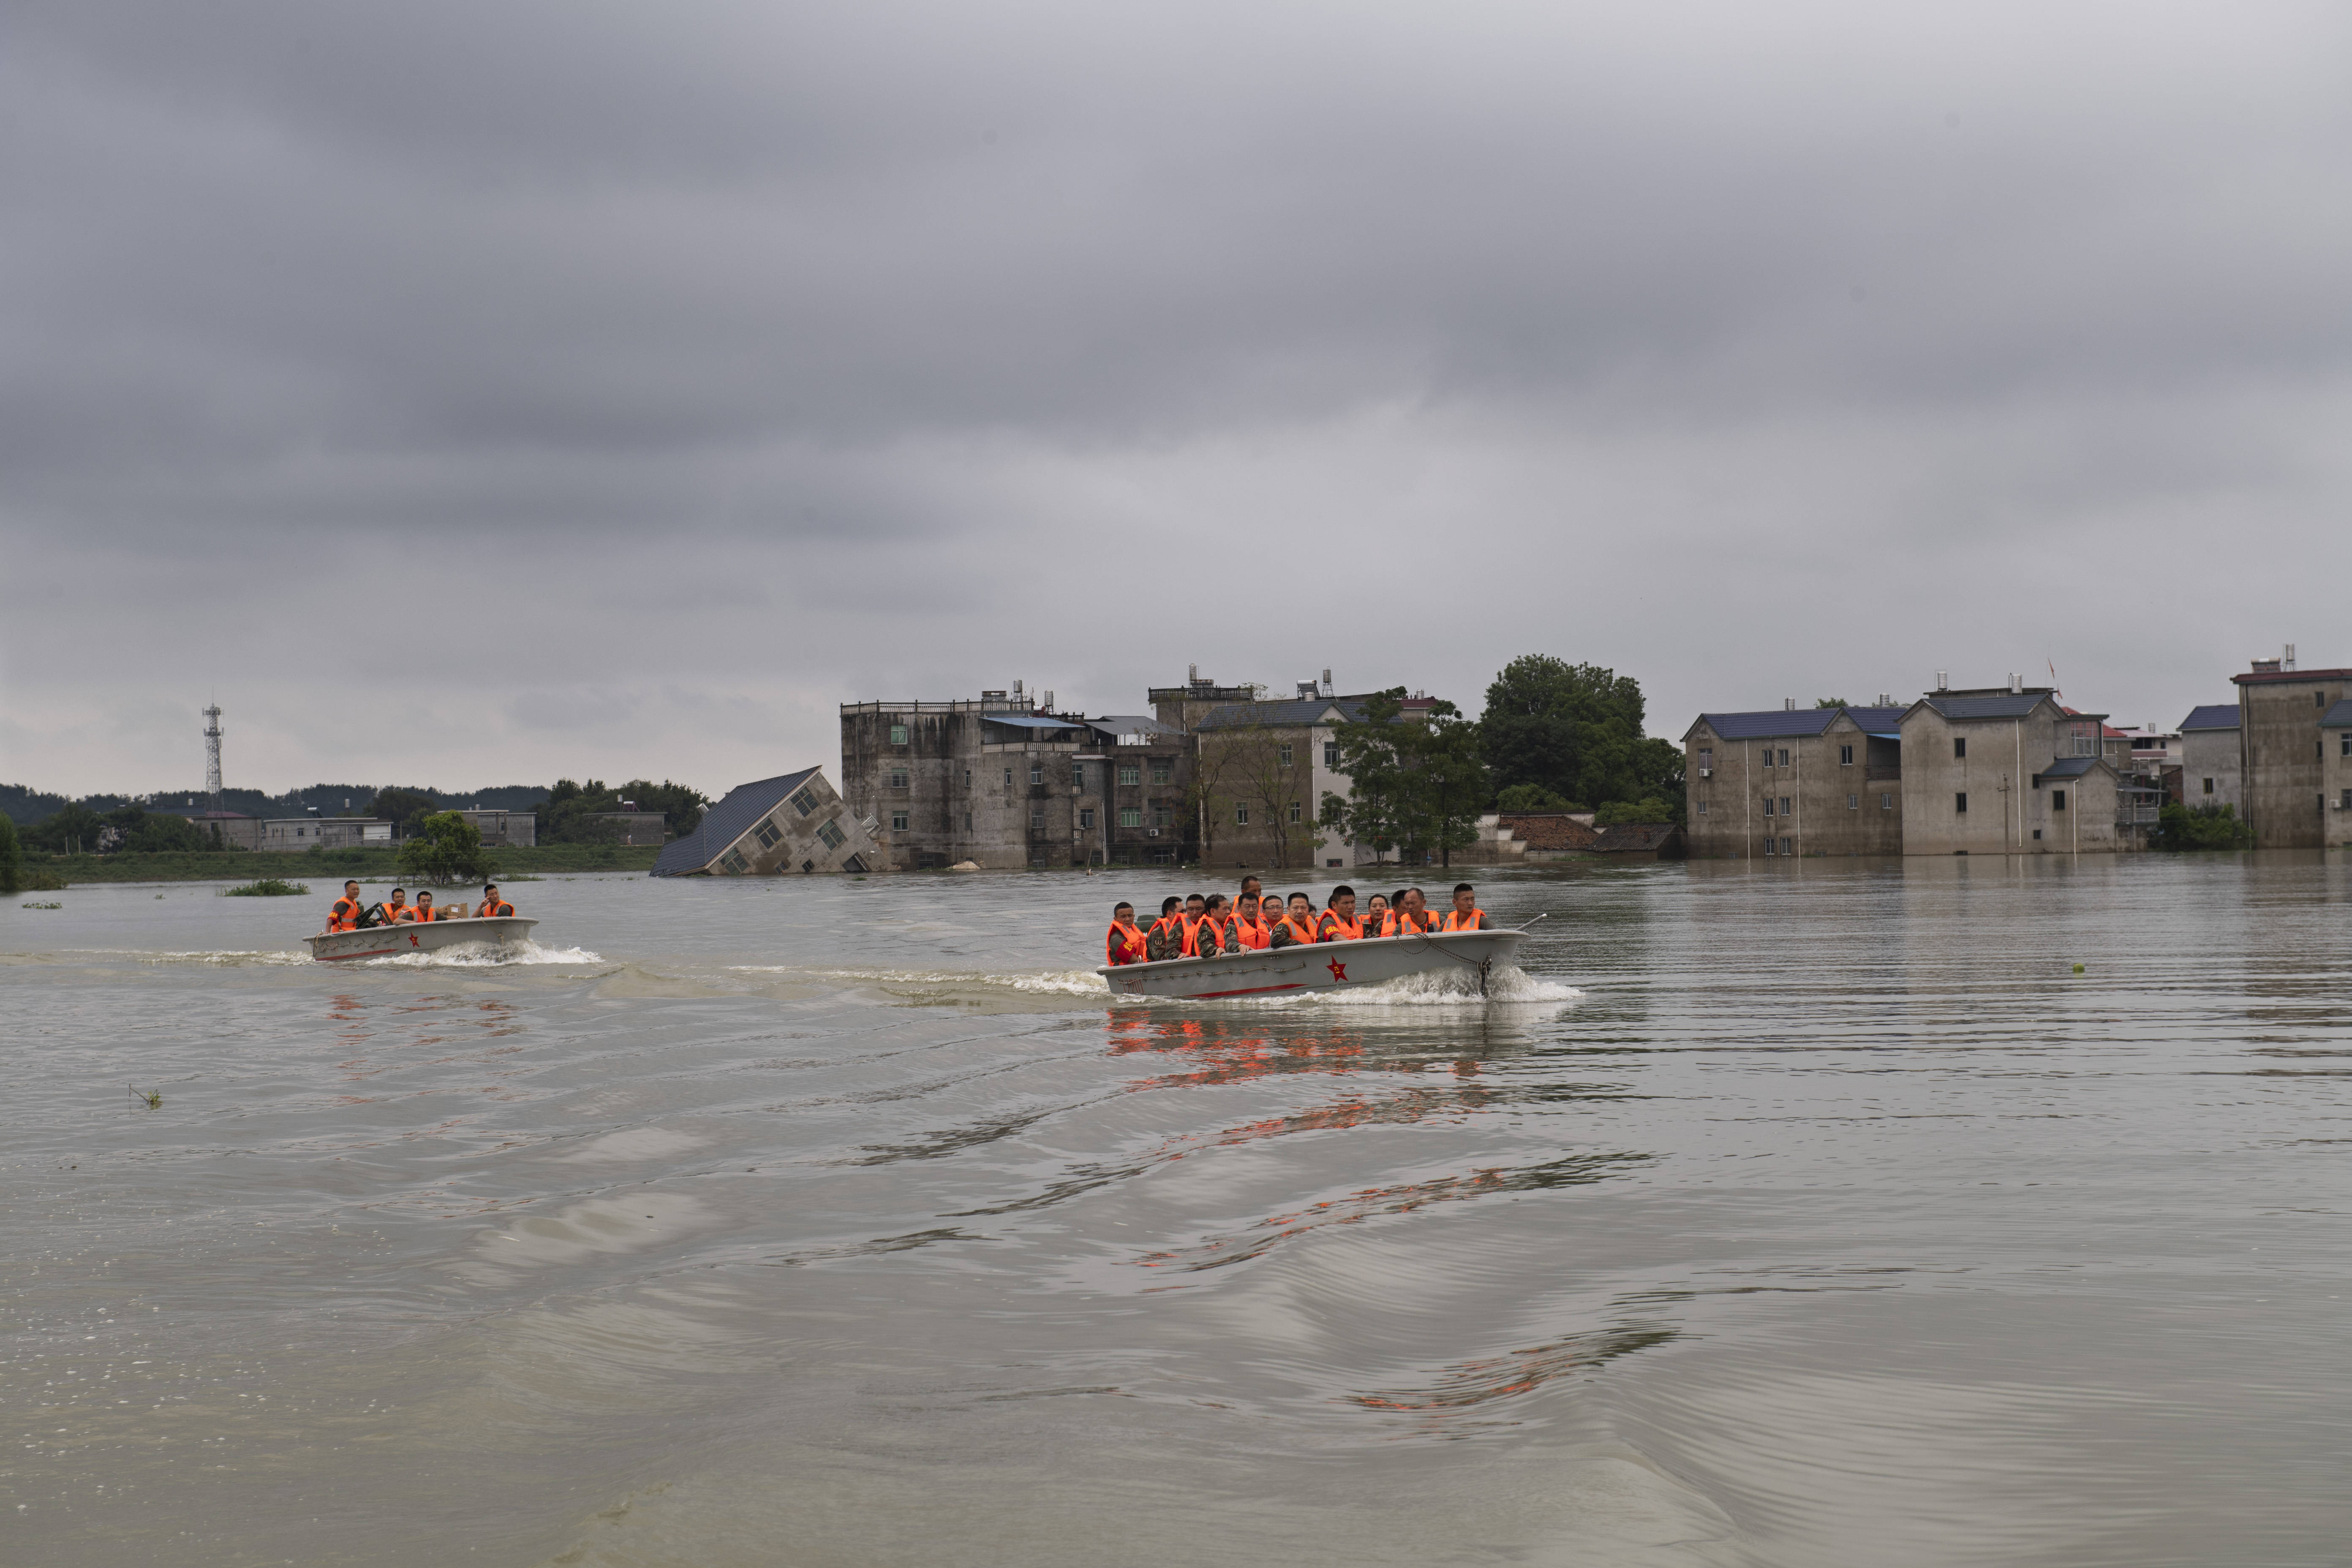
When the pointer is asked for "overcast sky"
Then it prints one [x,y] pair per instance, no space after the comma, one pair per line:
[472,393]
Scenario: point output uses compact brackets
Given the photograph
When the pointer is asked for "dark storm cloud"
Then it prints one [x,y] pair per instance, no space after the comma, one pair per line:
[754,339]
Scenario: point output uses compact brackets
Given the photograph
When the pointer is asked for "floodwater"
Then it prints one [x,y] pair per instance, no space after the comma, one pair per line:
[1805,1214]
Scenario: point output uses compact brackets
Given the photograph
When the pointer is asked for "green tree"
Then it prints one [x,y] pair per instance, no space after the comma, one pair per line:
[1832,702]
[1416,788]
[681,807]
[1653,810]
[1575,730]
[75,829]
[12,862]
[1533,798]
[144,832]
[447,849]
[404,807]
[2182,827]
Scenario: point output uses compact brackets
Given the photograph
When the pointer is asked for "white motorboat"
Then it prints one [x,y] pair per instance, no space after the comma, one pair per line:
[1324,966]
[418,936]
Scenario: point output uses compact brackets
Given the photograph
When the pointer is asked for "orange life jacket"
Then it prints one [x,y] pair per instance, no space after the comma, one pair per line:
[1388,923]
[1124,944]
[1331,928]
[1254,936]
[1214,943]
[1302,934]
[344,916]
[1192,946]
[1404,922]
[424,912]
[494,911]
[1455,921]
[394,913]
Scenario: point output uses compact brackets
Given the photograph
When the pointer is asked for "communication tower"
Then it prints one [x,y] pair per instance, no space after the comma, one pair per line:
[211,755]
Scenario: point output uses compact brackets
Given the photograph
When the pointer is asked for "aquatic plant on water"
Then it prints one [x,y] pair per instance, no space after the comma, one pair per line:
[269,887]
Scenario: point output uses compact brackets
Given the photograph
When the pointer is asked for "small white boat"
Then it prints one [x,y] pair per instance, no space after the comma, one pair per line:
[418,936]
[1324,966]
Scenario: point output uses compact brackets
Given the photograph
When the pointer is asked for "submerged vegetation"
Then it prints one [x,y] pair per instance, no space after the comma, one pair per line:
[269,888]
[2203,828]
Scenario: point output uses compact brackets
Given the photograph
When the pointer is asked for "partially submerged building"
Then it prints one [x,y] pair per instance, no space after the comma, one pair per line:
[1794,781]
[2289,724]
[2213,766]
[793,823]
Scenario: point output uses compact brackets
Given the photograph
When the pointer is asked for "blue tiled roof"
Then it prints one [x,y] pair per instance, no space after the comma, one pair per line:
[2338,717]
[1297,711]
[726,822]
[2211,716]
[1775,723]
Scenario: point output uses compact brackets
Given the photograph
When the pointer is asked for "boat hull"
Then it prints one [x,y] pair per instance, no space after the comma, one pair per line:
[417,936]
[1324,966]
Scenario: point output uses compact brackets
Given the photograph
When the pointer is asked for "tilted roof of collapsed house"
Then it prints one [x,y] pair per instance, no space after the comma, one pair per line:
[1294,712]
[1774,723]
[727,821]
[2338,717]
[1636,837]
[2211,716]
[1548,829]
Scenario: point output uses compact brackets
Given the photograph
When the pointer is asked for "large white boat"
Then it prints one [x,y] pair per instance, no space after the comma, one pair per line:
[1324,966]
[418,936]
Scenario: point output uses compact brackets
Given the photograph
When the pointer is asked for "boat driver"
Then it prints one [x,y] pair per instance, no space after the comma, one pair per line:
[345,915]
[1125,942]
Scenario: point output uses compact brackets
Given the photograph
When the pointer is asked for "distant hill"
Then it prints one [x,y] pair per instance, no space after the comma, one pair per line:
[25,806]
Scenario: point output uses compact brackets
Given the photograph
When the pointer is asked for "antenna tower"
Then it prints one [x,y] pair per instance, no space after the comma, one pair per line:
[211,755]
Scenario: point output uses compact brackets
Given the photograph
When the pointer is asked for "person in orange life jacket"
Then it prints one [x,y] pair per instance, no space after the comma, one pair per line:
[1125,942]
[1216,934]
[1253,891]
[1465,915]
[1377,920]
[1340,922]
[1166,938]
[1412,915]
[396,910]
[492,906]
[425,910]
[345,915]
[1196,909]
[1296,929]
[1249,930]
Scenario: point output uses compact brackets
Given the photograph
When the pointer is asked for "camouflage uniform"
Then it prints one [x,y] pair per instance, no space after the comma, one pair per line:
[1209,941]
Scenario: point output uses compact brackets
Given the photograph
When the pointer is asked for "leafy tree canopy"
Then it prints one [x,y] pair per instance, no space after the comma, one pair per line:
[1654,810]
[1533,798]
[11,865]
[405,807]
[1832,702]
[447,849]
[2182,827]
[1575,731]
[1417,788]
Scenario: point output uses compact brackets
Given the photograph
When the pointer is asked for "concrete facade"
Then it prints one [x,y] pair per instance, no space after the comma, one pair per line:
[794,824]
[1814,781]
[295,834]
[2288,768]
[1266,768]
[2212,761]
[1006,786]
[2006,772]
[505,829]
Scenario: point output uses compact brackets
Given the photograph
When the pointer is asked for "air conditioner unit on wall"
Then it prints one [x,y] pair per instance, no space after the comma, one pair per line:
[1152,833]
[1706,773]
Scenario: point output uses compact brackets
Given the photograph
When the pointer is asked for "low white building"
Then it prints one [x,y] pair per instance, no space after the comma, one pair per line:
[299,833]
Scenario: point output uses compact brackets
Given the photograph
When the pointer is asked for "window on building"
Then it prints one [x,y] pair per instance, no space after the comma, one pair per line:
[1886,801]
[898,735]
[898,778]
[1163,817]
[898,822]
[1241,816]
[1959,747]
[768,833]
[1330,753]
[2318,750]
[1784,756]
[1130,816]
[2319,699]
[1037,816]
[1772,846]
[1960,802]
[1788,847]
[831,833]
[1286,753]
[1162,770]
[1130,772]
[2344,743]
[1295,811]
[1036,773]
[1702,808]
[1853,803]
[1767,805]
[733,863]
[1784,807]
[2037,832]
[1008,778]
[2208,786]
[1707,757]
[803,801]
[967,822]
[1086,816]
[1846,756]
[2057,800]
[1078,778]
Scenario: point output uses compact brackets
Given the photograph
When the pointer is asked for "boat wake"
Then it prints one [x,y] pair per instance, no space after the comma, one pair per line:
[480,955]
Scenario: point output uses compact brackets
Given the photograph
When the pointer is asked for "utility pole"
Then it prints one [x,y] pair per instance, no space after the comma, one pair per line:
[211,755]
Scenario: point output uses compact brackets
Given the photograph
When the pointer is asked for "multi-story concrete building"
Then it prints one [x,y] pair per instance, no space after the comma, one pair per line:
[2284,739]
[1265,768]
[793,823]
[513,829]
[2008,771]
[2213,764]
[1002,785]
[1797,781]
[299,833]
